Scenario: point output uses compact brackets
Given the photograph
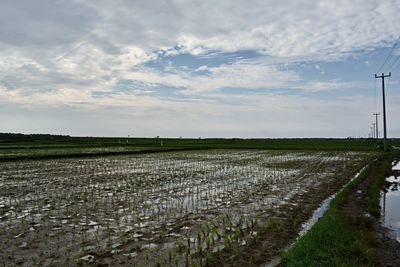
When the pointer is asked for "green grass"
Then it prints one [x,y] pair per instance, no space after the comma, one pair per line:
[336,240]
[306,143]
[38,146]
[371,200]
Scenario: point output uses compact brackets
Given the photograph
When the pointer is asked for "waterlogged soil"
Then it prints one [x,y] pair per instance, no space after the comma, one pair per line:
[216,207]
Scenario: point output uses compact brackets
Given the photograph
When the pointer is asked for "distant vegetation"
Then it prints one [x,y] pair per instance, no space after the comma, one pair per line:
[20,146]
[17,140]
[31,136]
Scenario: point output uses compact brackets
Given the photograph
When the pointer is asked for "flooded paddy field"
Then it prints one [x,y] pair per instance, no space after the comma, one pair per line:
[28,153]
[163,209]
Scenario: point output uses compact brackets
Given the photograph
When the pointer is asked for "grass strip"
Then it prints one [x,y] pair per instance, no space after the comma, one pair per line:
[336,239]
[86,147]
[236,143]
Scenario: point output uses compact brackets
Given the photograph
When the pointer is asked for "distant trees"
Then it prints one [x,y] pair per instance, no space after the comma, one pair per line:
[19,136]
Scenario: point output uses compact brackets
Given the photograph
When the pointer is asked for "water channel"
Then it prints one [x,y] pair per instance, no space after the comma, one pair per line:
[390,202]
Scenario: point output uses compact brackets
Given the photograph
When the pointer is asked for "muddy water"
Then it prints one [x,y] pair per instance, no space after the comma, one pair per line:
[390,203]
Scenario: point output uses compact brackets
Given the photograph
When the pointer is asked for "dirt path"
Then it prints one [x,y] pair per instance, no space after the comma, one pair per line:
[388,250]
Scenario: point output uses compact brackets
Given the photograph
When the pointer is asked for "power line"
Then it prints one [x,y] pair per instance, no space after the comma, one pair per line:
[388,56]
[393,63]
[388,83]
[398,65]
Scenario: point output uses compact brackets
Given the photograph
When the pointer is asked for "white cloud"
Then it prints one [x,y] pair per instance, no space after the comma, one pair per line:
[100,42]
[236,75]
[58,53]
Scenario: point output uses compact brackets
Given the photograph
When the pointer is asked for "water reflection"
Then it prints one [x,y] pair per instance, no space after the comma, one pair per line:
[390,203]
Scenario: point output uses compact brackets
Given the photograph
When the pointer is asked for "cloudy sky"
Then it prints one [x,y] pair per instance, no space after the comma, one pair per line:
[197,68]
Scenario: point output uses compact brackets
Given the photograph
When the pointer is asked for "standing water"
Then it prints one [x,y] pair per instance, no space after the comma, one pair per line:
[390,203]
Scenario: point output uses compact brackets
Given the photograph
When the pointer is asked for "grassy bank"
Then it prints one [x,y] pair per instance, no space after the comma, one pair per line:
[341,238]
[371,199]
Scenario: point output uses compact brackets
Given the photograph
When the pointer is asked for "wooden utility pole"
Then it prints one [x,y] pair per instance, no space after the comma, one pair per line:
[376,124]
[383,76]
[372,131]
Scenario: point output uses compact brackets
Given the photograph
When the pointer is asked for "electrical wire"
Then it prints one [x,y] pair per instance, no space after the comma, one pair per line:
[388,83]
[393,63]
[398,65]
[388,56]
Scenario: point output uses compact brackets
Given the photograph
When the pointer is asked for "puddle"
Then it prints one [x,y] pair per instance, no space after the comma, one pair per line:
[396,167]
[390,203]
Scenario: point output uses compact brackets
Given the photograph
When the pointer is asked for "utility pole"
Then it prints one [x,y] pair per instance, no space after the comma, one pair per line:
[373,130]
[376,124]
[383,76]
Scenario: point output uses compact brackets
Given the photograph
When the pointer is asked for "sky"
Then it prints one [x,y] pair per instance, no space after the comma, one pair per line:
[227,68]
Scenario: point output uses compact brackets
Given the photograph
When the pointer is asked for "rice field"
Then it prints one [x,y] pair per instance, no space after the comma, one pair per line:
[43,152]
[188,208]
